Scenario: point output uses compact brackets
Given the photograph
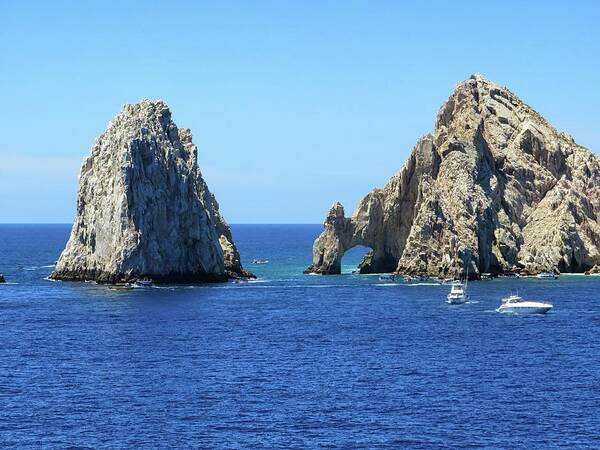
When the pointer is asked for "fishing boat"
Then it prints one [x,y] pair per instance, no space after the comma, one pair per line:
[260,261]
[458,291]
[516,305]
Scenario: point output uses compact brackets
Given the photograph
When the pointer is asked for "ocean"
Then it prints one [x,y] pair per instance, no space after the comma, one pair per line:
[290,360]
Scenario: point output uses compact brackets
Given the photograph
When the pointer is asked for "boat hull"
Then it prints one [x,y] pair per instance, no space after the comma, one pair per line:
[454,300]
[529,309]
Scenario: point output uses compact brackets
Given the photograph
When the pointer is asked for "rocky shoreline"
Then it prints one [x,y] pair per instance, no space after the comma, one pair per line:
[121,278]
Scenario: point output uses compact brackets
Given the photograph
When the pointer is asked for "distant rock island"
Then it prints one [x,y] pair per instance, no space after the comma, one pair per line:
[495,188]
[144,210]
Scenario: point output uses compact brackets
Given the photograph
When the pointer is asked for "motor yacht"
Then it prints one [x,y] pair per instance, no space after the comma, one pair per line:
[457,293]
[515,304]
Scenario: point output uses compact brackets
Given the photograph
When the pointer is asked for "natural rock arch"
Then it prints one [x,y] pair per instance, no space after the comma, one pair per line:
[342,234]
[382,221]
[494,188]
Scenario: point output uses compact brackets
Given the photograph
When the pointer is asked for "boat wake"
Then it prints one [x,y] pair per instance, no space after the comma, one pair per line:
[31,268]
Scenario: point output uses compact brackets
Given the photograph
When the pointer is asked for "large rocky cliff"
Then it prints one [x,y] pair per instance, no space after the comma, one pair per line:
[494,188]
[144,210]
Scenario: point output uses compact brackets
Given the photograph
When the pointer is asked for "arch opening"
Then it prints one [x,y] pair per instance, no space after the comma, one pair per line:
[353,257]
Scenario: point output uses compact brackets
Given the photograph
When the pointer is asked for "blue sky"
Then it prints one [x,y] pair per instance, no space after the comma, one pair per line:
[293,105]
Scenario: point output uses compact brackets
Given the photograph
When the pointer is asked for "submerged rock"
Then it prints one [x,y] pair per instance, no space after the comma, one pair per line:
[494,188]
[143,208]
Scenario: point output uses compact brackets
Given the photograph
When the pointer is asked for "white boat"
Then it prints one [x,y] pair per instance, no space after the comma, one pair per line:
[516,304]
[260,261]
[547,275]
[387,277]
[239,280]
[143,282]
[457,293]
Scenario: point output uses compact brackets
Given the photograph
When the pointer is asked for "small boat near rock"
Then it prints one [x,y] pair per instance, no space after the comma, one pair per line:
[390,277]
[260,261]
[547,276]
[457,293]
[121,287]
[517,305]
[144,282]
[240,280]
[509,275]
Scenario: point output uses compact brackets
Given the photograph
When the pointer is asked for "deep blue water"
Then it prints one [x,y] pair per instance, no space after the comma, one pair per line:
[290,361]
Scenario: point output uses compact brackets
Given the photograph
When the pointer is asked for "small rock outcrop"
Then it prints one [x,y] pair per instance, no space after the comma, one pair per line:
[2,279]
[594,270]
[144,210]
[494,188]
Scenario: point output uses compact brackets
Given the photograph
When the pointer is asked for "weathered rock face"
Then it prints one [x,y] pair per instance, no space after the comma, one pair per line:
[494,188]
[143,208]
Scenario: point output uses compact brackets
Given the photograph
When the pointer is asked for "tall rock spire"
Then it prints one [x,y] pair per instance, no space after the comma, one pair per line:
[143,209]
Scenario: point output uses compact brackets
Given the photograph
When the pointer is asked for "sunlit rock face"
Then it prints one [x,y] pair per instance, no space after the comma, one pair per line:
[493,188]
[143,208]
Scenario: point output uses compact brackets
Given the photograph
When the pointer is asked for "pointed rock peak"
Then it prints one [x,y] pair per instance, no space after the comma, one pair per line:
[337,205]
[479,77]
[144,209]
[337,210]
[144,111]
[336,214]
[147,106]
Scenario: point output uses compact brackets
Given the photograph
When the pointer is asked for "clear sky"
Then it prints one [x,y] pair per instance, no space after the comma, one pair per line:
[293,105]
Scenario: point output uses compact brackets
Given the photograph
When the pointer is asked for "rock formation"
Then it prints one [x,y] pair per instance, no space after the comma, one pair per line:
[144,210]
[594,270]
[2,279]
[494,188]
